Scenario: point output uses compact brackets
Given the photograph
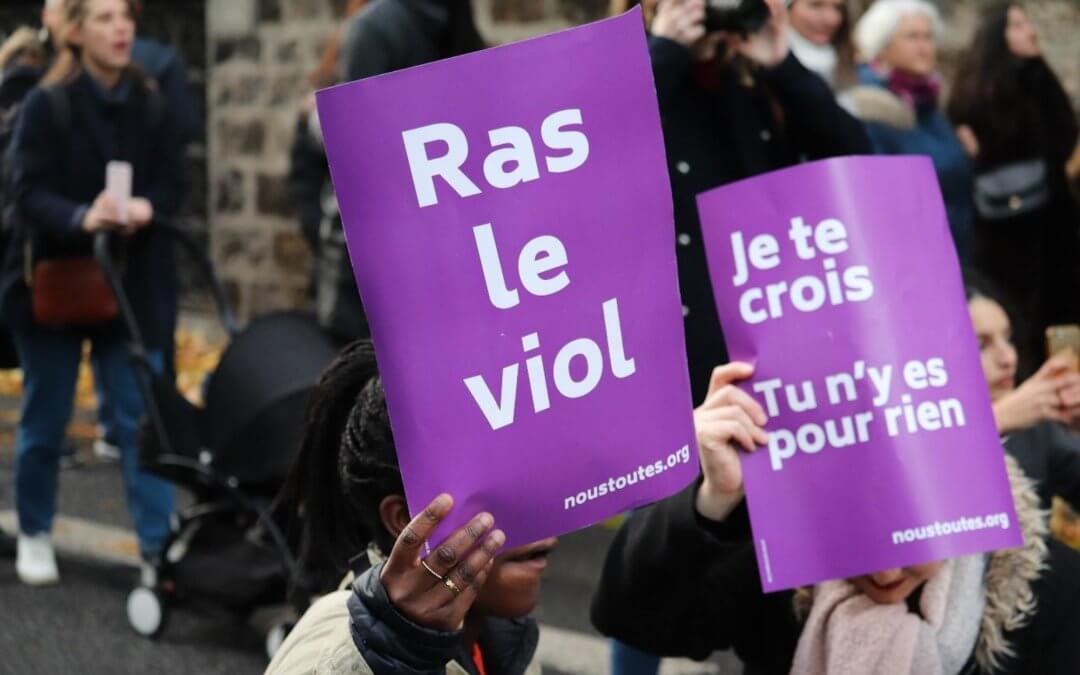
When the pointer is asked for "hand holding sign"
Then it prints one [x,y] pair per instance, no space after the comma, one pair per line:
[729,418]
[865,364]
[515,259]
[438,592]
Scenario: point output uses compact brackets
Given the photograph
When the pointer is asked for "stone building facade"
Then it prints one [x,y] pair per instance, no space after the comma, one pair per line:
[260,52]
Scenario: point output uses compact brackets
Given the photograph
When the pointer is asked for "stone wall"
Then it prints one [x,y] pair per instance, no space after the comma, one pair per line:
[259,54]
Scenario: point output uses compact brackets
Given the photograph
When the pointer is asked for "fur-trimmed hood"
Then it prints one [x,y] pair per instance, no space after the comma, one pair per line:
[1010,574]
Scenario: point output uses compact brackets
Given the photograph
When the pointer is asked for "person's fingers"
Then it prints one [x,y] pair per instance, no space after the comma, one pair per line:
[464,601]
[695,33]
[452,551]
[1070,396]
[732,395]
[728,373]
[738,414]
[406,549]
[471,573]
[718,434]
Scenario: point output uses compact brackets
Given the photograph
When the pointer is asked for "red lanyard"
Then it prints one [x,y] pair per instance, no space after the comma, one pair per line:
[478,659]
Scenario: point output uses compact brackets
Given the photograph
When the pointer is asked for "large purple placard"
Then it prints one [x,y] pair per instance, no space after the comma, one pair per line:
[510,226]
[839,280]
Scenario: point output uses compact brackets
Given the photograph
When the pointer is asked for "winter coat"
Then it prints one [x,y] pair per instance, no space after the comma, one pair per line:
[1034,257]
[895,128]
[57,174]
[359,632]
[1050,455]
[677,584]
[388,35]
[725,124]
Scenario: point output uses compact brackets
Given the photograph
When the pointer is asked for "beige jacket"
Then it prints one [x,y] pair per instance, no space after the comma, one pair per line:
[321,644]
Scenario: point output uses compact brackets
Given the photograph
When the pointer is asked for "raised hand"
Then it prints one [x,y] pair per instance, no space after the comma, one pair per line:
[728,420]
[439,591]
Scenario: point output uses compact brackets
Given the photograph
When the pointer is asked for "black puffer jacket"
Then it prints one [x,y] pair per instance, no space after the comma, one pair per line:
[723,124]
[390,643]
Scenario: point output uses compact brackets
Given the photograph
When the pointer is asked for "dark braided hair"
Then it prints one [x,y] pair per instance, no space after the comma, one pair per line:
[347,465]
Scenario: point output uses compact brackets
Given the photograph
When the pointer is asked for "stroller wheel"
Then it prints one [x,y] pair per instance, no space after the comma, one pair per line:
[146,611]
[275,637]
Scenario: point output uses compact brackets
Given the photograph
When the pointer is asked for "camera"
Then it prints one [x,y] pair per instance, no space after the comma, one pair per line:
[743,17]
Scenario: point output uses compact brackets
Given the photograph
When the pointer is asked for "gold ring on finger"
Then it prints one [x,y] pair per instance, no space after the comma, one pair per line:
[433,572]
[454,588]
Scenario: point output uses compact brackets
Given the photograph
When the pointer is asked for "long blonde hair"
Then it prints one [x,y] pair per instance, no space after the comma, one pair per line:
[23,43]
[67,65]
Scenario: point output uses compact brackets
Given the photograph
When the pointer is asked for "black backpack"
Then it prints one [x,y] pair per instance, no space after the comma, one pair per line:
[15,83]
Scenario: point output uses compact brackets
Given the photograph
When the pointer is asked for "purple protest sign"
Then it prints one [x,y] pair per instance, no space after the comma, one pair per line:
[839,280]
[510,226]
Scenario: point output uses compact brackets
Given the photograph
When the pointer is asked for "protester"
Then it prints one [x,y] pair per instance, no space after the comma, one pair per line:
[93,108]
[1021,130]
[1031,417]
[163,65]
[460,606]
[681,579]
[898,101]
[732,107]
[820,35]
[337,301]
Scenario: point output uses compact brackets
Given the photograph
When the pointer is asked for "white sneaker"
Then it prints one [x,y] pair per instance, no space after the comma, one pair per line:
[106,451]
[35,562]
[147,575]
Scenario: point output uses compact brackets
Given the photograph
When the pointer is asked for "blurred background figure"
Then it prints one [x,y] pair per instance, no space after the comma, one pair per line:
[164,67]
[1018,124]
[380,36]
[820,35]
[337,301]
[1031,414]
[899,101]
[94,108]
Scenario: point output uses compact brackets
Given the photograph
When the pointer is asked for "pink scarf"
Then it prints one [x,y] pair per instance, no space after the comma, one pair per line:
[916,90]
[848,634]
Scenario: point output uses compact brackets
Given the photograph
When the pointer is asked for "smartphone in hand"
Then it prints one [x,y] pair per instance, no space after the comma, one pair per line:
[118,178]
[1064,338]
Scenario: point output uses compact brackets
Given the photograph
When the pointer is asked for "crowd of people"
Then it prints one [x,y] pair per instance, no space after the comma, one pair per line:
[814,81]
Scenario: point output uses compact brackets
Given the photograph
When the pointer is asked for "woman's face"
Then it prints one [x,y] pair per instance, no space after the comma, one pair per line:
[817,20]
[512,588]
[106,35]
[913,48]
[1021,35]
[995,345]
[895,585]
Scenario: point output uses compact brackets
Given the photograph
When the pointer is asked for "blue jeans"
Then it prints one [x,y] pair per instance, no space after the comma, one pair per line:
[625,660]
[50,362]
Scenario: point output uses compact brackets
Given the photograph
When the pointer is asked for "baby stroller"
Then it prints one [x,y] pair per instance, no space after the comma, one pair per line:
[232,455]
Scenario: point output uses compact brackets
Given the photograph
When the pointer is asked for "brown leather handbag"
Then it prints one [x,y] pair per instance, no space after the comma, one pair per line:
[71,292]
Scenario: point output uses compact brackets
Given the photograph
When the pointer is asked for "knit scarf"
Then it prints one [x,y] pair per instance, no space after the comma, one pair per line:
[818,59]
[849,634]
[917,91]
